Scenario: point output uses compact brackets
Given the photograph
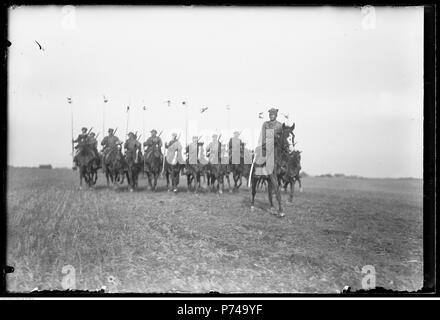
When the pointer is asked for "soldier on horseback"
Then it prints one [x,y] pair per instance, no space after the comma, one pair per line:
[133,157]
[177,147]
[93,143]
[213,150]
[81,141]
[193,151]
[109,143]
[153,143]
[236,148]
[272,124]
[132,143]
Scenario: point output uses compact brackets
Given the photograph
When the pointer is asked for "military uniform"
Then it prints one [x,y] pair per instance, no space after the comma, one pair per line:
[109,143]
[172,147]
[93,143]
[81,141]
[193,151]
[132,144]
[213,151]
[153,144]
[234,156]
[265,139]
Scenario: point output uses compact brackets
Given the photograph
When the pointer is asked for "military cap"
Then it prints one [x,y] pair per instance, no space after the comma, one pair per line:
[153,131]
[131,133]
[236,133]
[273,110]
[110,130]
[174,134]
[92,133]
[84,129]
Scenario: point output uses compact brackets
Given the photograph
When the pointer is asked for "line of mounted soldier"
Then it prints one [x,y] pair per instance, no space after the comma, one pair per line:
[217,165]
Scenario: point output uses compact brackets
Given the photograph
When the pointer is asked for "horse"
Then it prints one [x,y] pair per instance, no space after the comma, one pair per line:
[116,166]
[193,173]
[174,170]
[135,165]
[153,166]
[96,164]
[238,170]
[216,172]
[289,173]
[281,146]
[84,160]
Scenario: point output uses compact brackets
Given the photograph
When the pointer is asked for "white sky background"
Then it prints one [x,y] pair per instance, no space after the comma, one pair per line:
[355,94]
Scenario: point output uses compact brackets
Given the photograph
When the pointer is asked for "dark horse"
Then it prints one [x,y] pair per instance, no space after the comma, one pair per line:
[194,168]
[280,152]
[193,173]
[216,172]
[173,170]
[239,170]
[85,160]
[289,172]
[153,166]
[135,165]
[115,166]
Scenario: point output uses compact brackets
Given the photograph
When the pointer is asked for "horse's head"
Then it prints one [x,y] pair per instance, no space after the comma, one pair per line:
[286,137]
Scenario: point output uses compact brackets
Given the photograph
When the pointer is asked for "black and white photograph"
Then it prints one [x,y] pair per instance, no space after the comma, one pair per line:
[215,149]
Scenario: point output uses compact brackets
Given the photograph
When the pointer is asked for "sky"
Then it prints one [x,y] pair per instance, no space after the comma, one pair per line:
[351,79]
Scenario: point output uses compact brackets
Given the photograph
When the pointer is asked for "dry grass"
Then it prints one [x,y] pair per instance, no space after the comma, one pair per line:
[164,242]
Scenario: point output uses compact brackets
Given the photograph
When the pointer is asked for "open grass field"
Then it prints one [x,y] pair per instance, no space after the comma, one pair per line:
[157,242]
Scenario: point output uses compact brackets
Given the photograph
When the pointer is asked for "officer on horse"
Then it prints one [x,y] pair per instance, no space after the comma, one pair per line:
[234,157]
[109,143]
[93,143]
[81,141]
[213,150]
[132,143]
[153,143]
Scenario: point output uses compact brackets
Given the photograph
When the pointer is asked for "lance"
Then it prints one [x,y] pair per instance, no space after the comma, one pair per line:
[103,113]
[128,114]
[69,101]
[114,132]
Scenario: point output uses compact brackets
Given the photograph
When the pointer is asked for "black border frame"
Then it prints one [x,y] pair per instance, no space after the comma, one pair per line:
[430,284]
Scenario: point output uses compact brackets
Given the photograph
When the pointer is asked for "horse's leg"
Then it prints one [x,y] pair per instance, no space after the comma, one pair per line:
[277,194]
[229,182]
[292,188]
[175,180]
[254,181]
[167,176]
[80,178]
[270,188]
[300,185]
[188,182]
[199,184]
[240,177]
[149,180]
[130,179]
[156,174]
